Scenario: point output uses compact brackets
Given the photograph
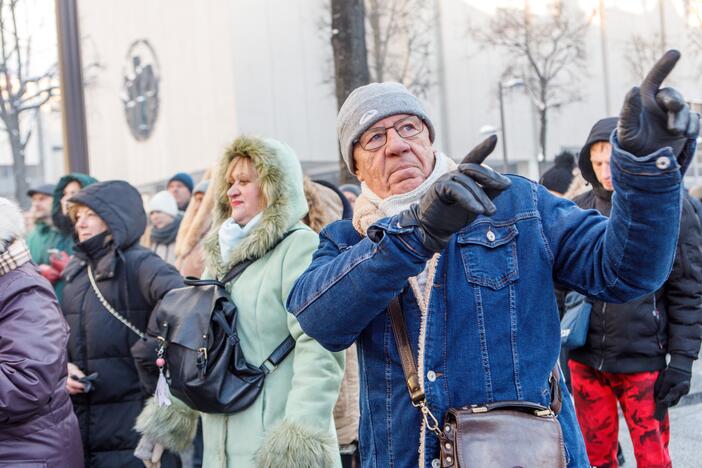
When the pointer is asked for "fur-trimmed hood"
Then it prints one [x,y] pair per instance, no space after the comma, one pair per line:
[280,177]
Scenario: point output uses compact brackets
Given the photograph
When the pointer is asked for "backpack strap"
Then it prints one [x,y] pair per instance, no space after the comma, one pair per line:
[239,268]
[288,344]
[278,355]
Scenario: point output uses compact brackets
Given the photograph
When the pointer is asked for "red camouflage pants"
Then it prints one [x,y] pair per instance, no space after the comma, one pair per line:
[596,394]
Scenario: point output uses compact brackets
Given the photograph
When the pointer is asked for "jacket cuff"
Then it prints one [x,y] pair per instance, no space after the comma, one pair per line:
[172,426]
[291,445]
[656,172]
[408,232]
[681,363]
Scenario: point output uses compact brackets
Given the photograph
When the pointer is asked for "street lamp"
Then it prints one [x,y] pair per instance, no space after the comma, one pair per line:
[501,86]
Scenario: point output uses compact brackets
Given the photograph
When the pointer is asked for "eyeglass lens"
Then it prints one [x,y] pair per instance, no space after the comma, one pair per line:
[377,137]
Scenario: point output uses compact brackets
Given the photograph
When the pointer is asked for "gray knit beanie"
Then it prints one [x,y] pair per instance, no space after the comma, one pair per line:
[368,104]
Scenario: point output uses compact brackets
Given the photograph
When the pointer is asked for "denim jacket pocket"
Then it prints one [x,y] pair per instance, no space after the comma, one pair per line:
[489,254]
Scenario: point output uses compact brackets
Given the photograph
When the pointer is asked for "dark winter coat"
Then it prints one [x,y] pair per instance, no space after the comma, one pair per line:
[37,423]
[132,279]
[637,335]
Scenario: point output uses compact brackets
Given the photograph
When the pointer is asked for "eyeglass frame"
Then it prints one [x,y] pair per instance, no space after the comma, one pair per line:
[385,133]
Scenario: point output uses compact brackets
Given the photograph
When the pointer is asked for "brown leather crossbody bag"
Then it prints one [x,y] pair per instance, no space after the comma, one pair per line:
[498,434]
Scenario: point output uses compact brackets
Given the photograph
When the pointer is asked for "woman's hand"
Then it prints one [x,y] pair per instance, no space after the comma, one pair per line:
[73,386]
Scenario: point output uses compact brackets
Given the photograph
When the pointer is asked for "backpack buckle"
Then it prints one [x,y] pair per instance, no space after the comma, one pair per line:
[267,367]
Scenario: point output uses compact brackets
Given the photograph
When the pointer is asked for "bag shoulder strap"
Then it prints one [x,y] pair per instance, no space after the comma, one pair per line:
[404,348]
[283,349]
[278,355]
[409,368]
[111,309]
[239,268]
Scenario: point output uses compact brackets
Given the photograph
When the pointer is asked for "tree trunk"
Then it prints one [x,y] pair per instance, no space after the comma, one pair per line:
[350,56]
[542,137]
[19,167]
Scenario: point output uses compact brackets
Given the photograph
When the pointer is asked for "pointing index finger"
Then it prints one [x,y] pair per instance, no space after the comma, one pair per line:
[478,154]
[659,72]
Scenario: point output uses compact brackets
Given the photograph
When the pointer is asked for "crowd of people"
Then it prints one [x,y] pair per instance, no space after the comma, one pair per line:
[431,288]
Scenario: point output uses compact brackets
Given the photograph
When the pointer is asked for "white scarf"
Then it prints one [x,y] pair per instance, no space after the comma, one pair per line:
[231,234]
[395,204]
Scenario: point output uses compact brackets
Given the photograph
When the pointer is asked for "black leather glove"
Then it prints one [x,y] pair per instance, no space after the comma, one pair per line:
[653,118]
[672,384]
[456,198]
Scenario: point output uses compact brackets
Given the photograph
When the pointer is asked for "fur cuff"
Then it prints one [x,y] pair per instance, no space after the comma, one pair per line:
[291,445]
[172,426]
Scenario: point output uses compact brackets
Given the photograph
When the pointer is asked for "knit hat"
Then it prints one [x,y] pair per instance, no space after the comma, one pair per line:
[164,202]
[367,105]
[201,186]
[185,179]
[559,177]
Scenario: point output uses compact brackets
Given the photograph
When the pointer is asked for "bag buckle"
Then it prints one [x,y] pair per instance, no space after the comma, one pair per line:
[201,362]
[267,367]
[544,413]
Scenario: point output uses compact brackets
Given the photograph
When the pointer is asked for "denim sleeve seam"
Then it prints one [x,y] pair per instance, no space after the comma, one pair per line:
[410,248]
[621,257]
[331,283]
[549,252]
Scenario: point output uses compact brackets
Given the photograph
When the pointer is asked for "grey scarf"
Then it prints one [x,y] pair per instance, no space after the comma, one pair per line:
[166,235]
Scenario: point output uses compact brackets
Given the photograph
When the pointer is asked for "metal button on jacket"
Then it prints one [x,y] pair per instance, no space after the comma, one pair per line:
[435,463]
[663,163]
[431,376]
[490,236]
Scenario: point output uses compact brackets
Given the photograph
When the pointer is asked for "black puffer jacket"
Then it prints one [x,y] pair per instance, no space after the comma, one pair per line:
[636,336]
[132,279]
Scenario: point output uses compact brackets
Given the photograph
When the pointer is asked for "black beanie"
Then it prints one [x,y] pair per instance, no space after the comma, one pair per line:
[559,177]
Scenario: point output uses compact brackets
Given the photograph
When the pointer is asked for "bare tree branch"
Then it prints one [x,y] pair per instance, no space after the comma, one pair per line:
[400,42]
[641,53]
[20,91]
[544,51]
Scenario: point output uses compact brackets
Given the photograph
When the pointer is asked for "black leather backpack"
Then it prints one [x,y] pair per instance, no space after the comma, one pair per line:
[205,365]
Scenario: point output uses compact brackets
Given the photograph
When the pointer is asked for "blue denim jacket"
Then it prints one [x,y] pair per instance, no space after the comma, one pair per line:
[492,327]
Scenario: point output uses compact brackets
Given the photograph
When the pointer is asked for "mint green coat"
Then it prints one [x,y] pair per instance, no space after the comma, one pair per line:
[291,423]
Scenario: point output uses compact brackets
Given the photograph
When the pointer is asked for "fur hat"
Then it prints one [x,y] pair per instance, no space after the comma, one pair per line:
[164,202]
[11,223]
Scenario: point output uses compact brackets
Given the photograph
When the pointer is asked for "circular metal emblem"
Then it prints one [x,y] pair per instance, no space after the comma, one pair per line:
[140,82]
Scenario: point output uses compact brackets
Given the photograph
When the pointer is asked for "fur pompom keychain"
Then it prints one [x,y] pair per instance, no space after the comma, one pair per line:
[163,393]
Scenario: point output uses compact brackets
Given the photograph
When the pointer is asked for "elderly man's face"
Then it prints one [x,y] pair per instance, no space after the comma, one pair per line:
[397,167]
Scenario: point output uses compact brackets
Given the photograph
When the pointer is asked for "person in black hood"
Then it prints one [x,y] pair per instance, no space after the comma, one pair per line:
[624,357]
[108,393]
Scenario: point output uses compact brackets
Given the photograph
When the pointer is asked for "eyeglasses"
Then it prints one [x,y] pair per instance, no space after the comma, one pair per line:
[376,138]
